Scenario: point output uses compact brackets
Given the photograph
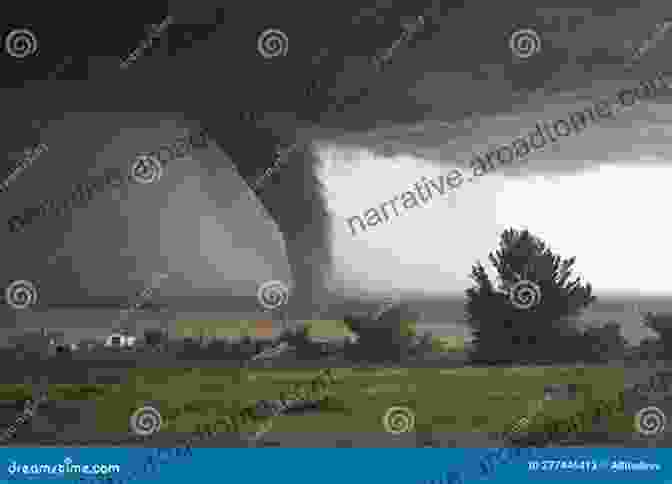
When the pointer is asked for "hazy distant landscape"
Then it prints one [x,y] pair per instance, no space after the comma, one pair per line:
[440,316]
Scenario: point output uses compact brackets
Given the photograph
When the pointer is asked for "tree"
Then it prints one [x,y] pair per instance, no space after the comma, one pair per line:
[604,343]
[386,338]
[154,337]
[661,323]
[531,275]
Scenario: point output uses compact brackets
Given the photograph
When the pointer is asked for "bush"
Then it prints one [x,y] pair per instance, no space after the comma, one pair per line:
[661,323]
[603,343]
[218,349]
[299,338]
[648,349]
[189,348]
[265,343]
[542,333]
[154,337]
[389,338]
[427,343]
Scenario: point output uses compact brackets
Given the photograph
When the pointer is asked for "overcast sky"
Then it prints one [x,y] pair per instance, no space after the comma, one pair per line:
[597,195]
[453,92]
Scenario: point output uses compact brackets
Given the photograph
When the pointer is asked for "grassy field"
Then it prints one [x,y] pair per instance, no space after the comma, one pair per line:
[238,328]
[444,400]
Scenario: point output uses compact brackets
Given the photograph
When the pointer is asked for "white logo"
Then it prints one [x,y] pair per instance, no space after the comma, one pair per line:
[21,294]
[146,169]
[146,421]
[521,425]
[525,294]
[20,43]
[273,294]
[650,421]
[525,43]
[272,43]
[399,420]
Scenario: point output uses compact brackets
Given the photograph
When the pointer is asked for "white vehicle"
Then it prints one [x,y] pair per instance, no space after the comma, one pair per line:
[120,341]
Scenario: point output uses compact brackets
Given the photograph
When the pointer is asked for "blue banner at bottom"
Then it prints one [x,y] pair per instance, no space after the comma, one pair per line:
[334,466]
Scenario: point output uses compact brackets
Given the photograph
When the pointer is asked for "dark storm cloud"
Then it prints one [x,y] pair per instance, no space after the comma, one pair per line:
[456,83]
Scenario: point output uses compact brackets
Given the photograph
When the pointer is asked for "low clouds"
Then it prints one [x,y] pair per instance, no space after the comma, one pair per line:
[638,129]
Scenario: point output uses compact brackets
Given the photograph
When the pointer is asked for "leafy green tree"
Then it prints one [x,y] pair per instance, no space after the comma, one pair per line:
[505,333]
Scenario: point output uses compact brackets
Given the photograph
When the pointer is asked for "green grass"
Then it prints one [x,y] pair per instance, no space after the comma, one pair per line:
[455,400]
[451,343]
[238,328]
